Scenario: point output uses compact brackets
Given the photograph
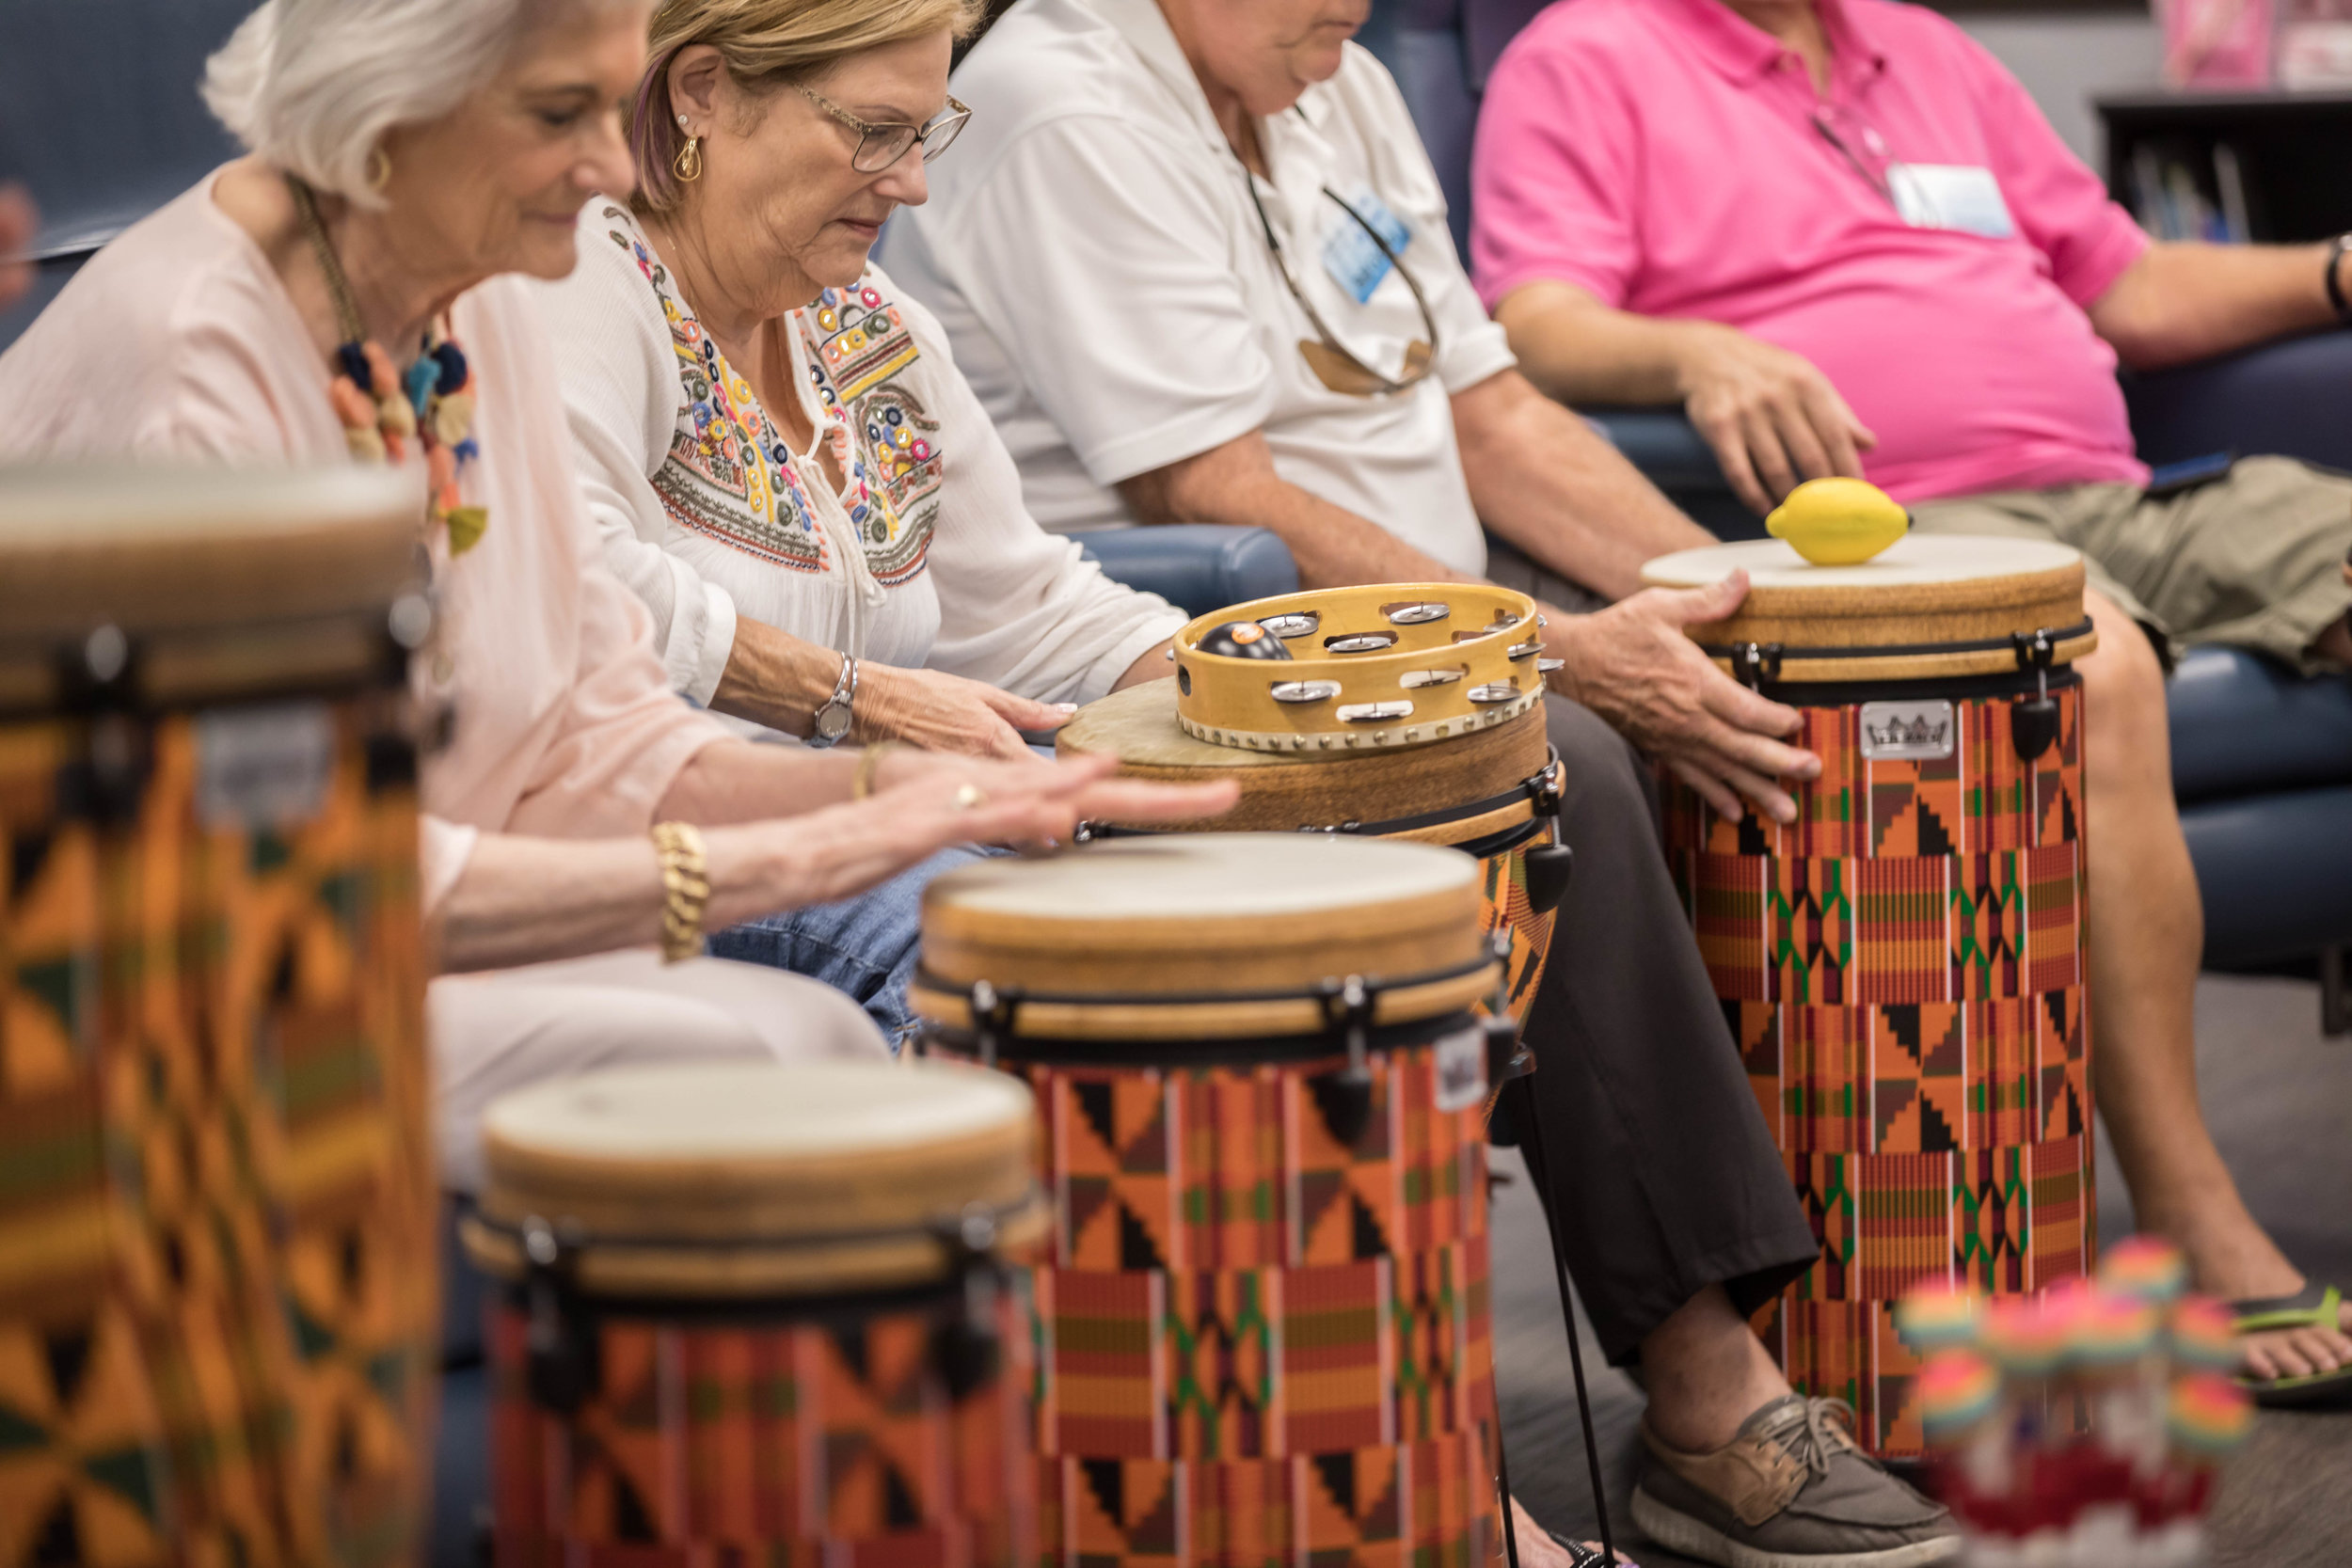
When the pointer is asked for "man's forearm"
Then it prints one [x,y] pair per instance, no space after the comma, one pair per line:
[2181,301]
[1540,478]
[1576,349]
[1236,485]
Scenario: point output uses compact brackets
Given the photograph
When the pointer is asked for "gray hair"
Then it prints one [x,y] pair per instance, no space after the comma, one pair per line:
[311,86]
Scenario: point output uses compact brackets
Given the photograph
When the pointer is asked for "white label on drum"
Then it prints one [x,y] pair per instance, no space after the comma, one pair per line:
[258,767]
[1907,730]
[1461,1070]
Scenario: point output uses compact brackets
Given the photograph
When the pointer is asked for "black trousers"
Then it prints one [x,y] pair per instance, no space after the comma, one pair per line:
[1660,1167]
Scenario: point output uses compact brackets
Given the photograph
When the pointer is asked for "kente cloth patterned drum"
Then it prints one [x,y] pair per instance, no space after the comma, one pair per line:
[1904,969]
[1263,1321]
[756,1314]
[1493,793]
[217,1296]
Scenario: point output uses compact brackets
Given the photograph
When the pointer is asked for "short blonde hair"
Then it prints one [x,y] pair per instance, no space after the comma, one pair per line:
[312,86]
[765,44]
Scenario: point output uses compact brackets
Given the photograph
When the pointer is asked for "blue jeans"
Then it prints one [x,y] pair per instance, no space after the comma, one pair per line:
[865,946]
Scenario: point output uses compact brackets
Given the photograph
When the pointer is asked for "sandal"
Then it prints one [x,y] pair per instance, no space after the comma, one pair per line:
[2316,1305]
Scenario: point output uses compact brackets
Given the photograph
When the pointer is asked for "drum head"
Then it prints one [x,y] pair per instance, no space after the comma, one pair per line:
[796,1177]
[1196,918]
[1934,606]
[1285,792]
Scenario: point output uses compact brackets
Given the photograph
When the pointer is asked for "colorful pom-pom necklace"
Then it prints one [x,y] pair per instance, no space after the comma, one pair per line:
[382,410]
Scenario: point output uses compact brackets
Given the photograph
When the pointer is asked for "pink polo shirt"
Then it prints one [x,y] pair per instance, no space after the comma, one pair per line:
[1664,154]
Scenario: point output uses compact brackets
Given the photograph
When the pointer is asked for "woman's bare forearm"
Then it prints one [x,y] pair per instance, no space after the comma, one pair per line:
[775,678]
[530,900]
[735,780]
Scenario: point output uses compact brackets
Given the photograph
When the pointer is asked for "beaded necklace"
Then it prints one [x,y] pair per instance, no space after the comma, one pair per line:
[382,410]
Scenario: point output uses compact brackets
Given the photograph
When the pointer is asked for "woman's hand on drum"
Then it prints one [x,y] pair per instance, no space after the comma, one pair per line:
[928,801]
[1635,665]
[941,712]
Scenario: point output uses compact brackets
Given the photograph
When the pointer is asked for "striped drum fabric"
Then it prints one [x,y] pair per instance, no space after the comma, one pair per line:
[1904,969]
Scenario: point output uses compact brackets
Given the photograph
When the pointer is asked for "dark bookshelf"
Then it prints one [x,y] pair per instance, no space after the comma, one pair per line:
[2292,152]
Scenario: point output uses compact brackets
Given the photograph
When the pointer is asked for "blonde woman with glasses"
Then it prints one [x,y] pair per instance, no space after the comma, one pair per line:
[779,452]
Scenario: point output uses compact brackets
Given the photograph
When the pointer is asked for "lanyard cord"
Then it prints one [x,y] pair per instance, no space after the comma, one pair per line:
[1330,339]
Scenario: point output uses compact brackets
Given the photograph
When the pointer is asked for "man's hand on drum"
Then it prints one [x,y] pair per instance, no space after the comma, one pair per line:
[926,801]
[1635,666]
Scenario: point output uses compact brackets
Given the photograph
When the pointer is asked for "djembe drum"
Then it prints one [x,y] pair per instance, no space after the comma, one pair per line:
[1412,711]
[1263,1315]
[1904,963]
[217,1293]
[753,1315]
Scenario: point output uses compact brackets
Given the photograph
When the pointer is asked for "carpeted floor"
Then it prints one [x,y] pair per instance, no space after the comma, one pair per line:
[2279,1100]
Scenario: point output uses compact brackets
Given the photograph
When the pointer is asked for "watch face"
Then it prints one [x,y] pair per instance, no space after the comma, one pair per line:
[832,721]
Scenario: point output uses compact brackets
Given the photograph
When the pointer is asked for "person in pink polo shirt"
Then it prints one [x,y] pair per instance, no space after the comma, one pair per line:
[1843,238]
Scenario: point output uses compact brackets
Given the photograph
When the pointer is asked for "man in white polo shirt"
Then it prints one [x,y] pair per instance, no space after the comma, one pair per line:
[1194,259]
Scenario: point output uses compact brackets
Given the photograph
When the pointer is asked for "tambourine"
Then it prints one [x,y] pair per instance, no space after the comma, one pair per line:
[1348,668]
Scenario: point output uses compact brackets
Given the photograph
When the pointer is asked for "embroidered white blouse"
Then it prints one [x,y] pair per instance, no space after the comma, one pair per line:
[928,556]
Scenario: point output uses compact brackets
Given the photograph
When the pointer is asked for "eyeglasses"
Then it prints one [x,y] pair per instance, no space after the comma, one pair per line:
[1338,368]
[880,146]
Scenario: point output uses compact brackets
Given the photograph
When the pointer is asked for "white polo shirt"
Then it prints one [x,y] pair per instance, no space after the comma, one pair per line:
[1093,252]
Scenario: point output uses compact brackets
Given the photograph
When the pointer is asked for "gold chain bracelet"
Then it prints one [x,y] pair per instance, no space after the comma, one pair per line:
[685,889]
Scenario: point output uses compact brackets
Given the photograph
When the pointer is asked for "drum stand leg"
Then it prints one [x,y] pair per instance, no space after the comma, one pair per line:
[1530,1129]
[1503,1479]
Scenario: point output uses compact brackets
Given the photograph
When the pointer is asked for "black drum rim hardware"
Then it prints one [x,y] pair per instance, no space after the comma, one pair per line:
[996,1009]
[564,1352]
[1541,789]
[1757,664]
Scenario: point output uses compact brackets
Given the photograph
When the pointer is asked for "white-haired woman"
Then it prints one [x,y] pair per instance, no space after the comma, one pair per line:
[336,296]
[779,450]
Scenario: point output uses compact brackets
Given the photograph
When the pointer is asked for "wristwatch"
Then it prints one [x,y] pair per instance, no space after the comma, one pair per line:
[832,720]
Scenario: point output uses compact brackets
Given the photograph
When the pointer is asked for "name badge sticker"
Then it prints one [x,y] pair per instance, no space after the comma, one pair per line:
[1961,198]
[1350,255]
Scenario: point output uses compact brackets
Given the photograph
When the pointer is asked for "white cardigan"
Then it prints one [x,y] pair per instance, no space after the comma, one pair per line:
[709,517]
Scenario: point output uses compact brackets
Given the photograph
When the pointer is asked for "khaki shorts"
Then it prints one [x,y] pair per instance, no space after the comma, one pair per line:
[2254,559]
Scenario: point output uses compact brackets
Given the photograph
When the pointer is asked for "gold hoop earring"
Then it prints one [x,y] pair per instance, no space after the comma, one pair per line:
[688,165]
[379,170]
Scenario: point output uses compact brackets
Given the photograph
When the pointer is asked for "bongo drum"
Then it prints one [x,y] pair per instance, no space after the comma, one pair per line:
[752,1314]
[1263,1312]
[217,1296]
[1903,965]
[1465,764]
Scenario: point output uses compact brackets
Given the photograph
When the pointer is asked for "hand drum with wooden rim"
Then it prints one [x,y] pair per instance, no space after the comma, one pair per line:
[1904,963]
[1478,775]
[755,1313]
[218,1316]
[1263,1309]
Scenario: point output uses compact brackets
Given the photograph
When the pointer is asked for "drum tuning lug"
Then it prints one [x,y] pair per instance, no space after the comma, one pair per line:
[1507,1058]
[1755,663]
[2033,725]
[965,1344]
[1548,866]
[1344,1097]
[563,1363]
[992,1015]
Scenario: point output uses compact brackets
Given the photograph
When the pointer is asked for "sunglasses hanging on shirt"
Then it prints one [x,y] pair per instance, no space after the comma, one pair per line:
[1327,356]
[1961,198]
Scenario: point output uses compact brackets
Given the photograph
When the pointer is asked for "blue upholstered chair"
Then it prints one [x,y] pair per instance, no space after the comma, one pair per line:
[2262,758]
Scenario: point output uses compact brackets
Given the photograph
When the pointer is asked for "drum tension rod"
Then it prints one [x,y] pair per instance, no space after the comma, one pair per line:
[1755,663]
[2033,721]
[1345,1096]
[564,1354]
[965,1344]
[994,1015]
[1507,1056]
